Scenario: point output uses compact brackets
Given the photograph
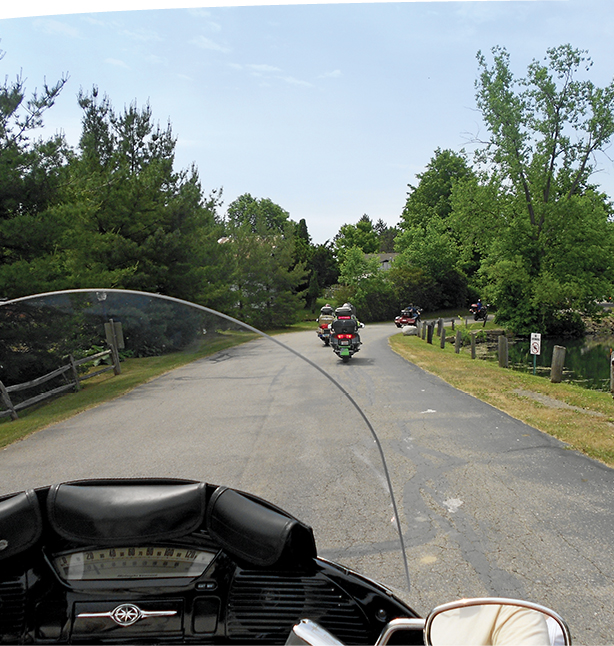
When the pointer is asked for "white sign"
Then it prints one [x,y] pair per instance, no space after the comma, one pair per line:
[536,343]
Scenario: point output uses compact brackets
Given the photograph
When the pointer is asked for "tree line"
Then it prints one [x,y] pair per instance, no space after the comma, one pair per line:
[520,225]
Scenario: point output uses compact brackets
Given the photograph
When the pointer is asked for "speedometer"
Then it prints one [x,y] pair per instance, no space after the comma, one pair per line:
[148,562]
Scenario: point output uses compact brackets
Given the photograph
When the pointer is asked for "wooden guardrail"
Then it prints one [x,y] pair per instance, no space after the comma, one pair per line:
[69,372]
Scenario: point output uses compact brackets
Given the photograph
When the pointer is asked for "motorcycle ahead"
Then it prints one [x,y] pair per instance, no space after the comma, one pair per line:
[324,320]
[344,337]
[323,333]
[408,316]
[188,510]
[479,313]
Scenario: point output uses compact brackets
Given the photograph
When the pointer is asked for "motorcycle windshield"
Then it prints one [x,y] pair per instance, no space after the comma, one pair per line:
[231,407]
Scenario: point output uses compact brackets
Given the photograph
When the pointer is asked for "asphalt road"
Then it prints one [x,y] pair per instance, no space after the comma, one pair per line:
[488,505]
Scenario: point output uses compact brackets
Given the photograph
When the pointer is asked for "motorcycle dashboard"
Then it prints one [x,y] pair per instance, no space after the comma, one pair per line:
[132,563]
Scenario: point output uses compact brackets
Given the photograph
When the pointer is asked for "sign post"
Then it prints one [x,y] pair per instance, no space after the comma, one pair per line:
[536,347]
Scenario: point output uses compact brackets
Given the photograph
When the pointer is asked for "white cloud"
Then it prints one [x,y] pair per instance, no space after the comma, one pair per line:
[142,35]
[292,81]
[330,75]
[57,28]
[206,43]
[117,63]
[264,68]
[156,60]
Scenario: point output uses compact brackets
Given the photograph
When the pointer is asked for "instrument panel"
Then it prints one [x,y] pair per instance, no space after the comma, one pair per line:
[132,562]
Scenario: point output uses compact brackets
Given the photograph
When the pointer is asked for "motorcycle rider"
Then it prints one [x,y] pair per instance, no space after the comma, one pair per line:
[326,314]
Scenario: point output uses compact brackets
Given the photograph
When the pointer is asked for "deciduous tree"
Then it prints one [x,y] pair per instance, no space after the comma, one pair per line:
[553,252]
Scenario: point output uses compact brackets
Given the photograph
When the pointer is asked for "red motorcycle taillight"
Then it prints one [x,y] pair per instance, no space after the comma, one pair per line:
[345,336]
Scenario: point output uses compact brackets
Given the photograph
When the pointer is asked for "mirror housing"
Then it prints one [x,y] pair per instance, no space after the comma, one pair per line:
[309,633]
[495,621]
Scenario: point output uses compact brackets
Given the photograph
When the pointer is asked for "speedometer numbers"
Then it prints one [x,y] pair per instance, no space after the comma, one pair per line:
[148,562]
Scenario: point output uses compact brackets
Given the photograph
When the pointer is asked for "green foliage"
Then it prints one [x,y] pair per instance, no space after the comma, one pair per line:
[31,174]
[412,284]
[356,267]
[361,235]
[323,261]
[431,199]
[386,236]
[260,216]
[552,252]
[124,217]
[366,286]
[429,237]
[265,276]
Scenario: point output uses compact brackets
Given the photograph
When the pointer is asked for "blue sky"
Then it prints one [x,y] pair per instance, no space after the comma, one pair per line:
[329,110]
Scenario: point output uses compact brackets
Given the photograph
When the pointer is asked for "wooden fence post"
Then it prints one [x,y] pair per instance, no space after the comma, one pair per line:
[424,326]
[473,345]
[612,372]
[452,321]
[458,341]
[558,360]
[7,401]
[111,330]
[439,327]
[503,352]
[442,342]
[429,332]
[75,372]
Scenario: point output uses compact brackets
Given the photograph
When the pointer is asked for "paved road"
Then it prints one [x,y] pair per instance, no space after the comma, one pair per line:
[489,506]
[492,506]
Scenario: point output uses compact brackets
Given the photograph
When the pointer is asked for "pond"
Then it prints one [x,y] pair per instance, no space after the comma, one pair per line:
[587,361]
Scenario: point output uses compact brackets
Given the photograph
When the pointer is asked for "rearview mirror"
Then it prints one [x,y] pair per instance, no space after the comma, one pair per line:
[495,621]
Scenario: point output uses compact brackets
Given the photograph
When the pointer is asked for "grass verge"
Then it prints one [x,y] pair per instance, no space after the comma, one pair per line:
[105,387]
[584,419]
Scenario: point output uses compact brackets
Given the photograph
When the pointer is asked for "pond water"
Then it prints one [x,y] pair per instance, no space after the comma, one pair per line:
[587,362]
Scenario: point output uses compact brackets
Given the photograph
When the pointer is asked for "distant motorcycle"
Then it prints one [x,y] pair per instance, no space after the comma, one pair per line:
[408,316]
[479,313]
[323,333]
[344,337]
[324,320]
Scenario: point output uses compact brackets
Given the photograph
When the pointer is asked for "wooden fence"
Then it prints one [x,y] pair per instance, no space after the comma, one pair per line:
[69,372]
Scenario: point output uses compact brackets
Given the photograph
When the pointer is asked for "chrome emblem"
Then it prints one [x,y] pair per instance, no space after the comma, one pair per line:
[127,614]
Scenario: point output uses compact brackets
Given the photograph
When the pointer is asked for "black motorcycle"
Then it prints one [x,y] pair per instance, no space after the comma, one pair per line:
[480,313]
[135,544]
[344,338]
